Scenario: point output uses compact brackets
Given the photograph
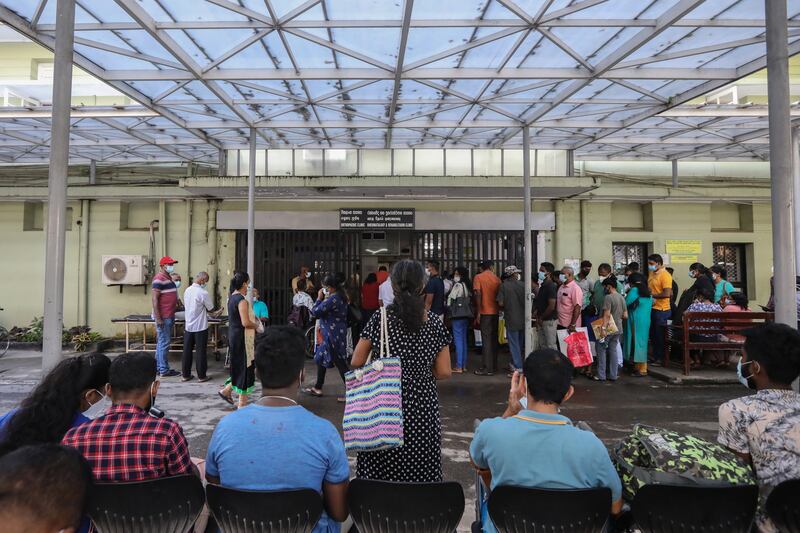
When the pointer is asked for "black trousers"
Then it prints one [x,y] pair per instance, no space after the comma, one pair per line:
[341,366]
[489,332]
[190,340]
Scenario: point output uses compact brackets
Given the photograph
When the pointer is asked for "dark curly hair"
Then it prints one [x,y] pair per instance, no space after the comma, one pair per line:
[47,413]
[408,280]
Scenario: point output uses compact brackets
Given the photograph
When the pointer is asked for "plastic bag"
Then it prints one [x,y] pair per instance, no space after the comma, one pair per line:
[577,348]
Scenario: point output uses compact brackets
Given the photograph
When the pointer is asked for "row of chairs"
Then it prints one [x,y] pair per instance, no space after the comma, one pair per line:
[172,505]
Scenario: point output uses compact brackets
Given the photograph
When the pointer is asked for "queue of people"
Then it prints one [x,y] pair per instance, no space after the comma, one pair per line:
[57,443]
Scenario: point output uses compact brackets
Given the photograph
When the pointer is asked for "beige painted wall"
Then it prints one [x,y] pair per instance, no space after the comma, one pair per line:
[581,232]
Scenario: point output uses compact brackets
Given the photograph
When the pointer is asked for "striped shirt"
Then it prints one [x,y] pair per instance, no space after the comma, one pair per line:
[168,294]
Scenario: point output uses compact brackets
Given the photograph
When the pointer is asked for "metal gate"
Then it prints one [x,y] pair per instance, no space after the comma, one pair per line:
[469,248]
[731,257]
[624,253]
[280,254]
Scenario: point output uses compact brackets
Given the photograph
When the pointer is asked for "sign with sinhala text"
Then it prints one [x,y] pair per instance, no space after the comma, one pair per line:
[389,218]
[684,247]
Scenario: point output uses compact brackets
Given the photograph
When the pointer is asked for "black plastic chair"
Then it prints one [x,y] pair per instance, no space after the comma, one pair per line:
[515,509]
[385,507]
[783,506]
[678,508]
[167,505]
[245,511]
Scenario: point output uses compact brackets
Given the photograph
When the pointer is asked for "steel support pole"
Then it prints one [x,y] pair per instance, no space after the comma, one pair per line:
[92,172]
[57,186]
[251,216]
[780,157]
[527,268]
[674,173]
[796,180]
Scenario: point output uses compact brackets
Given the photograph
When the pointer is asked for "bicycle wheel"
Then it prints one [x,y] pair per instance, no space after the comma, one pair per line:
[5,341]
[311,341]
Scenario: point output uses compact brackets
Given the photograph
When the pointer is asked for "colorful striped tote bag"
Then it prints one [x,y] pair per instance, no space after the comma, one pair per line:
[373,412]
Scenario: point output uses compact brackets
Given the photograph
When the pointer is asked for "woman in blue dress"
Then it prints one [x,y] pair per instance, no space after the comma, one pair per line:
[330,310]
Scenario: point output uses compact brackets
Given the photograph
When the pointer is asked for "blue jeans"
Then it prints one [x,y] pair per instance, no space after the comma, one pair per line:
[460,326]
[516,343]
[658,319]
[607,355]
[163,337]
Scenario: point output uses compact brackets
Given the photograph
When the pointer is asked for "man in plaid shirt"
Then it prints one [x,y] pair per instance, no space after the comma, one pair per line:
[127,443]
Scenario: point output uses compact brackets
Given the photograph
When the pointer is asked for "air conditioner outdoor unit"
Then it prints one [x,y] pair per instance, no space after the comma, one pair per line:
[124,269]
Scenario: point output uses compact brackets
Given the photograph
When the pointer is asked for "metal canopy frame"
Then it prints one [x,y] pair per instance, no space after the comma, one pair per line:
[609,79]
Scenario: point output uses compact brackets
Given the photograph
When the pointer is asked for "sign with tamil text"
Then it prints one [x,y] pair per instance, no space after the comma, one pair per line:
[384,218]
[685,246]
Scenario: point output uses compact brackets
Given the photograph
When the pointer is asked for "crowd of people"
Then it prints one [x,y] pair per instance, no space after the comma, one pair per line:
[92,418]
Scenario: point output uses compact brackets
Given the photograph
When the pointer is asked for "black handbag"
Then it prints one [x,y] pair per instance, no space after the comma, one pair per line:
[461,308]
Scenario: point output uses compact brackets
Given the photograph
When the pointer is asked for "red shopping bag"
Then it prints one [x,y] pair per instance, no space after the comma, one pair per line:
[578,349]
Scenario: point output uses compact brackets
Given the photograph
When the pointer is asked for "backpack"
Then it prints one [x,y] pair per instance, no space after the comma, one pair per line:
[658,456]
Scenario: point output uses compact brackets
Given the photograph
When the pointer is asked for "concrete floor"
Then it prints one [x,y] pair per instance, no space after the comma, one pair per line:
[611,409]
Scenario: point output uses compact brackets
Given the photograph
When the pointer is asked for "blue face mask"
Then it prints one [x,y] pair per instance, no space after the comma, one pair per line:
[691,273]
[203,286]
[541,277]
[178,284]
[170,269]
[563,278]
[744,380]
[652,268]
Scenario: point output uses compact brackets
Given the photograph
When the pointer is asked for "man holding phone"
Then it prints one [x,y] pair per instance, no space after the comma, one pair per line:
[518,448]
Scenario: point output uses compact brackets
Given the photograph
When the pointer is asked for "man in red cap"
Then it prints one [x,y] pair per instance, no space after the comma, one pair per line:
[165,299]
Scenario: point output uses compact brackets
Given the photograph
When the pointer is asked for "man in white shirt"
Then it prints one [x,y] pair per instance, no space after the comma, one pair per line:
[198,303]
[385,293]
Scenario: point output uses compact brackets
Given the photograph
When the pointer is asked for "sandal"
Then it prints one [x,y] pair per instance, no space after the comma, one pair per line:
[225,397]
[311,391]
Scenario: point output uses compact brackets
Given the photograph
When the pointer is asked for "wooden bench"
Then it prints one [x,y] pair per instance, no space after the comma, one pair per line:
[716,324]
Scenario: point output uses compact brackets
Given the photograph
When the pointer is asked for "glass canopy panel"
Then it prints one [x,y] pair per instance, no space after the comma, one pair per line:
[428,162]
[458,162]
[308,162]
[403,162]
[488,162]
[340,162]
[376,162]
[279,162]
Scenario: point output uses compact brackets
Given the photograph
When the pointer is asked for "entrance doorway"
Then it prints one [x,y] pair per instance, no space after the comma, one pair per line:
[280,254]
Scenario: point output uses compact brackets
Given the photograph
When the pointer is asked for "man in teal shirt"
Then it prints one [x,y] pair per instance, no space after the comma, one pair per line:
[532,445]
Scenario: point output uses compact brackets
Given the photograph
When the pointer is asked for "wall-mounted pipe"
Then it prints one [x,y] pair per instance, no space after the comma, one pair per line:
[188,256]
[162,227]
[83,266]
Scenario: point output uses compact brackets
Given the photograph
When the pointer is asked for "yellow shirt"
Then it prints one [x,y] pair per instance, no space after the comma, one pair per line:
[658,281]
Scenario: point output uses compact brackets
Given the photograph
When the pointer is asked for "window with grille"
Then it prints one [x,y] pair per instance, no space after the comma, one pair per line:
[624,253]
[731,257]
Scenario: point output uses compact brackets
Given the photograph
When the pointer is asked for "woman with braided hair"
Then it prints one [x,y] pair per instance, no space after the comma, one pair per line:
[421,341]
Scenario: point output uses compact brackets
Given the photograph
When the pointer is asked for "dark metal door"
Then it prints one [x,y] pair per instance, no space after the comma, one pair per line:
[469,248]
[731,257]
[280,254]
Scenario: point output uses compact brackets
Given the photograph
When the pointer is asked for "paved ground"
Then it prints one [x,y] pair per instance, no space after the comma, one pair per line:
[610,409]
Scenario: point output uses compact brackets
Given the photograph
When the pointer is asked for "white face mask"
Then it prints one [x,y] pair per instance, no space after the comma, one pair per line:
[325,291]
[602,278]
[99,407]
[308,274]
[457,278]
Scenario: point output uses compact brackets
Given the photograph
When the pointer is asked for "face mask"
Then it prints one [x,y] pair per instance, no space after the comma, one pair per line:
[563,278]
[524,402]
[457,278]
[652,268]
[541,277]
[308,274]
[602,278]
[742,379]
[326,292]
[691,273]
[203,286]
[427,271]
[170,269]
[178,284]
[97,408]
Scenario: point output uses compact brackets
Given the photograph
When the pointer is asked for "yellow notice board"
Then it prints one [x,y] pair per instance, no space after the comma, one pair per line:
[684,247]
[683,259]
